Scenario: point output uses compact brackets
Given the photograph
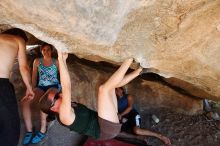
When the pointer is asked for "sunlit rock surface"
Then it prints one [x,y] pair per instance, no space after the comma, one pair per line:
[176,38]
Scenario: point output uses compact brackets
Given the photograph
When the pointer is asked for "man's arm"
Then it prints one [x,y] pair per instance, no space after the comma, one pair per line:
[23,67]
[34,73]
[34,79]
[66,113]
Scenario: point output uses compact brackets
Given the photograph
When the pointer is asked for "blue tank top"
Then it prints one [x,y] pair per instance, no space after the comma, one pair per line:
[47,74]
[123,103]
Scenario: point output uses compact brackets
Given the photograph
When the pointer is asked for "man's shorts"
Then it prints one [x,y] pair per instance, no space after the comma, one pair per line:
[133,120]
[9,117]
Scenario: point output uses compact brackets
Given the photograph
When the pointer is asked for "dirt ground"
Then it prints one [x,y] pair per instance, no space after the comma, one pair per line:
[184,130]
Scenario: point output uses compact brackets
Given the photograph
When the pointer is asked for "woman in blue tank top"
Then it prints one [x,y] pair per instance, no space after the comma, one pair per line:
[130,118]
[44,78]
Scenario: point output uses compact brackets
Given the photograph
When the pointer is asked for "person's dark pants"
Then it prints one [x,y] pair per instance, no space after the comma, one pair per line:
[9,117]
[133,120]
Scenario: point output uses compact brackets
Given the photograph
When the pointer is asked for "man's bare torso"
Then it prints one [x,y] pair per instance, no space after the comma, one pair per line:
[8,52]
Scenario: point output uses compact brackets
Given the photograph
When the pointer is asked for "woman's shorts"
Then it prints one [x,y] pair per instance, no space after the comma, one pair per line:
[108,129]
[45,88]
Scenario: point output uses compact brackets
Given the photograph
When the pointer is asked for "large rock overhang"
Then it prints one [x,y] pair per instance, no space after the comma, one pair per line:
[176,39]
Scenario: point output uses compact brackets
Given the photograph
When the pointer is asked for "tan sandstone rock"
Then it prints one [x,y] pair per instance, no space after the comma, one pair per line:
[177,38]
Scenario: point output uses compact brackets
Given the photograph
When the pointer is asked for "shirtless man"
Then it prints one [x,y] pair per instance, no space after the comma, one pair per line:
[12,45]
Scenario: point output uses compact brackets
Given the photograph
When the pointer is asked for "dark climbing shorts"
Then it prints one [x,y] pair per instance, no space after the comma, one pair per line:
[45,88]
[9,117]
[108,130]
[133,120]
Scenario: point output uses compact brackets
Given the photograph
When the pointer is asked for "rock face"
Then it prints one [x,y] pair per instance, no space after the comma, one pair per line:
[177,39]
[86,77]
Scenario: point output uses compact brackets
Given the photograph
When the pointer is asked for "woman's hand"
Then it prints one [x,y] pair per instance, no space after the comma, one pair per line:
[166,140]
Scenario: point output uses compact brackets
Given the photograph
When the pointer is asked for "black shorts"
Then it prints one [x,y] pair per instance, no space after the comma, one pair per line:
[45,88]
[9,117]
[132,119]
